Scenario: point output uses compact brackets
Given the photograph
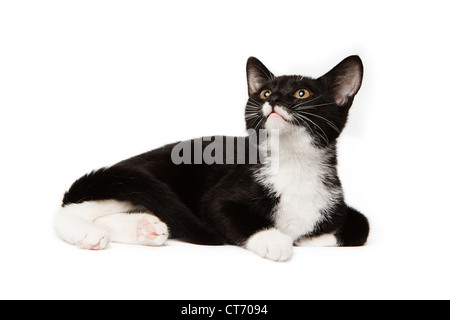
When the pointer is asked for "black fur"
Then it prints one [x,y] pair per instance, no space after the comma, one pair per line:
[223,203]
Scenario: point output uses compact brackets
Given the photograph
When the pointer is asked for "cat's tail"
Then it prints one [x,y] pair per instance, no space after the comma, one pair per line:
[146,194]
[356,228]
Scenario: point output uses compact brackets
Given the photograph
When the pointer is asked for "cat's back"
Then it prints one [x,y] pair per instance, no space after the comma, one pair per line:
[193,167]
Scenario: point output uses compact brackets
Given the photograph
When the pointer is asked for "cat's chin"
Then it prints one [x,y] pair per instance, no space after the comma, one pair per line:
[276,121]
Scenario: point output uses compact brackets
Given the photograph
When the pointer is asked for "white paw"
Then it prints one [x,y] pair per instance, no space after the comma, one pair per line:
[324,240]
[93,238]
[151,231]
[271,244]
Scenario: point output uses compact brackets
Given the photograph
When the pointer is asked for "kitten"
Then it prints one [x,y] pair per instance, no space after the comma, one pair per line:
[216,191]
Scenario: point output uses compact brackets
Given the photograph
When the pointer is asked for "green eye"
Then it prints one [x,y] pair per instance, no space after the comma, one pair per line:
[302,94]
[265,94]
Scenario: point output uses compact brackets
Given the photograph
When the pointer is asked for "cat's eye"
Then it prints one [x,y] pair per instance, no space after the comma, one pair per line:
[265,94]
[302,94]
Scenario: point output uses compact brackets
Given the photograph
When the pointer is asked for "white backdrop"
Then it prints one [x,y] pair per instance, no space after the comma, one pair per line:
[85,84]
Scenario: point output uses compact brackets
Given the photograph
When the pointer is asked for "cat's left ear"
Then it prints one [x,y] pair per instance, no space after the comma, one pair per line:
[257,75]
[344,80]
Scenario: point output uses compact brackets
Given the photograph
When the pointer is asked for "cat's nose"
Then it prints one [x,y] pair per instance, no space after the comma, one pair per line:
[274,99]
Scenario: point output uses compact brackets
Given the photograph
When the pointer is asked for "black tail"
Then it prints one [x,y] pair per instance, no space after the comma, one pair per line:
[144,191]
[356,228]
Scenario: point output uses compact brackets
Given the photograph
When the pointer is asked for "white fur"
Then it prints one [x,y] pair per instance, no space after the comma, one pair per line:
[270,244]
[297,180]
[324,240]
[93,224]
[134,228]
[276,122]
[266,109]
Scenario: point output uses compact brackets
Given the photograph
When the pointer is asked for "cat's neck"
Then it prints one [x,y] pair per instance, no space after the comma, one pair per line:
[297,167]
[297,146]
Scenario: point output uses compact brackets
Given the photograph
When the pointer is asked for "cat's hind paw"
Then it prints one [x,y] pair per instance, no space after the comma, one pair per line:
[94,238]
[151,231]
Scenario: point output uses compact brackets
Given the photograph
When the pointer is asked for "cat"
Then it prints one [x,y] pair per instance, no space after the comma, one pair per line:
[174,192]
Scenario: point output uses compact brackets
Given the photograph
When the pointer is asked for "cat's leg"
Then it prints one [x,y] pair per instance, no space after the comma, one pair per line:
[79,231]
[134,228]
[74,223]
[271,244]
[243,226]
[355,230]
[137,190]
[323,240]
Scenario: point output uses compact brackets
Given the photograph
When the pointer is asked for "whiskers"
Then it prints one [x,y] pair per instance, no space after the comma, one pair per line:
[303,119]
[302,113]
[253,102]
[302,105]
[253,114]
[331,124]
[301,116]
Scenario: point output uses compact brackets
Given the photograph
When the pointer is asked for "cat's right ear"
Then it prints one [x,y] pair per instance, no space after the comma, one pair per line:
[257,75]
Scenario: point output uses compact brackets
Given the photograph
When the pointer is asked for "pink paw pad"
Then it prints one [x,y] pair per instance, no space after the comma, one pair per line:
[87,246]
[94,239]
[151,233]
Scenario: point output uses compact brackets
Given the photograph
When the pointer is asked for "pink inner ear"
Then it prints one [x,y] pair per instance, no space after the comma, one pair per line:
[340,99]
[255,83]
[347,86]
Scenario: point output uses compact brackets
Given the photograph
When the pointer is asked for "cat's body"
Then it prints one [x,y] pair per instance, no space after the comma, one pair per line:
[261,206]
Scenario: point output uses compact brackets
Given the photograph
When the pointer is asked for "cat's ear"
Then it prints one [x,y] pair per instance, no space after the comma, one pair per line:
[257,75]
[344,80]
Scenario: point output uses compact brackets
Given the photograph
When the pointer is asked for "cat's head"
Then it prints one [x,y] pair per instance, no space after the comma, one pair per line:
[288,103]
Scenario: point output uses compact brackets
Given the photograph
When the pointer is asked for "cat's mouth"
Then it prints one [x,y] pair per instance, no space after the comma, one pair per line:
[276,115]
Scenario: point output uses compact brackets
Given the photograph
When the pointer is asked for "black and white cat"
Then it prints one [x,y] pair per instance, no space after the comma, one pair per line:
[258,205]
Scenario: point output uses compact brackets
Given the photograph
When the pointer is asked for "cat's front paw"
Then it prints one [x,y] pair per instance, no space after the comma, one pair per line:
[271,244]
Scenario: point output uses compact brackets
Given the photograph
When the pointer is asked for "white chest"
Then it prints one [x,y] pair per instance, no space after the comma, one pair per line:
[298,182]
